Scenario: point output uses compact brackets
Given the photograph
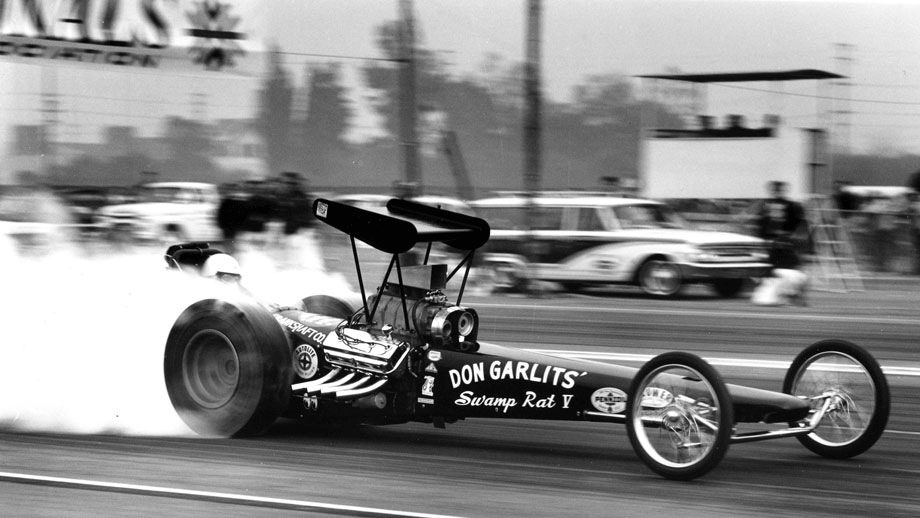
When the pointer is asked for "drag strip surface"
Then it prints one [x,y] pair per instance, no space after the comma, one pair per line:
[485,468]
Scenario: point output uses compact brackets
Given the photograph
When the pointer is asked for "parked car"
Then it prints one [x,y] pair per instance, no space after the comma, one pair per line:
[165,211]
[579,241]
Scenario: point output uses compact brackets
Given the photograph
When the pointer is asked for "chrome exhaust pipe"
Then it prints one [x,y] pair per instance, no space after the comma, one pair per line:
[360,392]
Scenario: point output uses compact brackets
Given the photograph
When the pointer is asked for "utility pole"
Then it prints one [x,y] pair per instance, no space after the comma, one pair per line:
[532,99]
[408,136]
[841,96]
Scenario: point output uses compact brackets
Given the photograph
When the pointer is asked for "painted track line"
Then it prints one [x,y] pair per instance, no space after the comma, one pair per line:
[719,362]
[209,496]
[703,313]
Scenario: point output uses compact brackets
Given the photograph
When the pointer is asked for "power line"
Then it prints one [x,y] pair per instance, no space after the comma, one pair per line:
[814,96]
[337,56]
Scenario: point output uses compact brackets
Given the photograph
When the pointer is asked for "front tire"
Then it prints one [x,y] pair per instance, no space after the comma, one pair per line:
[679,416]
[228,368]
[660,278]
[858,391]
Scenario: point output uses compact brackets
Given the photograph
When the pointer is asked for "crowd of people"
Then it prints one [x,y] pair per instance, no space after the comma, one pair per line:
[885,228]
[250,207]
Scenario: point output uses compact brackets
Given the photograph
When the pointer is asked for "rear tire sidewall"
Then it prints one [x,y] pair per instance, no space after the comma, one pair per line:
[723,400]
[213,397]
[328,305]
[879,419]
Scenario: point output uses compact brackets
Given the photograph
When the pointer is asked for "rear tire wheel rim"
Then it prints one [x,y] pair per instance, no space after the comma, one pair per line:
[211,369]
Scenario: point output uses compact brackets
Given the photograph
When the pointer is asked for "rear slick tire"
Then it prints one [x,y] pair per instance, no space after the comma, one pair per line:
[228,368]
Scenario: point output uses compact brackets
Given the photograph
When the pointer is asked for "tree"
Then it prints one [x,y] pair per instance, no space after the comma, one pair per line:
[322,146]
[274,123]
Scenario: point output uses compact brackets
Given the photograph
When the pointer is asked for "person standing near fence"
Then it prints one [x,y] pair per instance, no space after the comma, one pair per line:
[781,220]
[913,209]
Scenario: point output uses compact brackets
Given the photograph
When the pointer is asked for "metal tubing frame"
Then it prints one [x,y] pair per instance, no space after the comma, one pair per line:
[763,435]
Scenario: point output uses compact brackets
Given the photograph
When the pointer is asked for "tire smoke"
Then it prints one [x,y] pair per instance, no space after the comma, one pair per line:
[82,336]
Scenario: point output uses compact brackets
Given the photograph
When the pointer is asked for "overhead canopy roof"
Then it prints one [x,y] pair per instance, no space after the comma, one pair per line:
[738,77]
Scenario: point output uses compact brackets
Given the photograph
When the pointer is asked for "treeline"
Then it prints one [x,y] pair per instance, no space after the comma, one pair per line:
[311,129]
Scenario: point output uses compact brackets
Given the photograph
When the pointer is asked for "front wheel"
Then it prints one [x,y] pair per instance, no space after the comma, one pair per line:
[846,378]
[228,368]
[679,416]
[660,278]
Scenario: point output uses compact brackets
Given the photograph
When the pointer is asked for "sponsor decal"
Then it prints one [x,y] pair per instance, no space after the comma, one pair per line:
[502,403]
[431,368]
[301,329]
[322,209]
[306,362]
[428,386]
[310,403]
[426,401]
[434,356]
[499,370]
[656,397]
[609,400]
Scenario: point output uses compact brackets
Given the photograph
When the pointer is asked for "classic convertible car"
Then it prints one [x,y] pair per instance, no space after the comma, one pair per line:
[410,353]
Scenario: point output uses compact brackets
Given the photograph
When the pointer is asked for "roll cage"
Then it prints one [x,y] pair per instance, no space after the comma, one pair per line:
[402,226]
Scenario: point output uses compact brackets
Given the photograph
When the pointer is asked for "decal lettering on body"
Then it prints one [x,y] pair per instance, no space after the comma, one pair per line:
[500,370]
[301,329]
[502,404]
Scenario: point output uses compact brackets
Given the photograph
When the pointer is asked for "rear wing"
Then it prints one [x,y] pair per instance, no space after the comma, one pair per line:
[397,229]
[403,225]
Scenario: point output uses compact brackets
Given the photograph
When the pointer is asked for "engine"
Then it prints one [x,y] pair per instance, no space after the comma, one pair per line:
[432,319]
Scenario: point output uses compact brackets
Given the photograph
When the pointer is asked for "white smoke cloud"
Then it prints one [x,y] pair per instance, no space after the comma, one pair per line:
[82,337]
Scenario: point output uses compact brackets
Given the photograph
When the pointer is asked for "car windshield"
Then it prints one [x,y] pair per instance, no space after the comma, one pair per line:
[165,194]
[518,218]
[647,216]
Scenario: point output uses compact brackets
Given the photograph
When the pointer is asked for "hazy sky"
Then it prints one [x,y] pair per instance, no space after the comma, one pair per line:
[634,37]
[581,38]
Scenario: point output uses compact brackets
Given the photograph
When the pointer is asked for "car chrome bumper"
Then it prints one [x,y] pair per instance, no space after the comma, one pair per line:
[701,271]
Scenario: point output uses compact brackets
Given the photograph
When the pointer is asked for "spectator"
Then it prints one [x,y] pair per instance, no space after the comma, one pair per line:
[913,212]
[232,214]
[782,221]
[846,201]
[884,214]
[294,203]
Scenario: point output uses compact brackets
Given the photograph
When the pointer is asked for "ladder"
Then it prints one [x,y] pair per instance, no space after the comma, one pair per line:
[833,266]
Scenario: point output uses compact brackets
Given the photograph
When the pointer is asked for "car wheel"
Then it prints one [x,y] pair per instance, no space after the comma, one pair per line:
[858,393]
[679,416]
[660,278]
[728,287]
[228,368]
[505,276]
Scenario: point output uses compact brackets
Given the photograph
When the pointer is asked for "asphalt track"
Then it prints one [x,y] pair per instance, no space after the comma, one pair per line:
[482,468]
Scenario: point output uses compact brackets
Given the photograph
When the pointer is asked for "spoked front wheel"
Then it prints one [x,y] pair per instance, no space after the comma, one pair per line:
[679,416]
[847,382]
